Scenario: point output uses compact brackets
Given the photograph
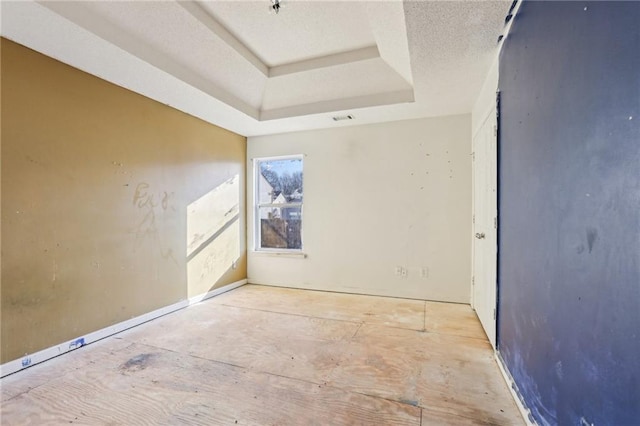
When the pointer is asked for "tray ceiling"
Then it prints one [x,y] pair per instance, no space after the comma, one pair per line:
[319,28]
[241,66]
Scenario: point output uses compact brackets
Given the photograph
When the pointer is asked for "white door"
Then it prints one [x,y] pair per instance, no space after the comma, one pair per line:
[484,224]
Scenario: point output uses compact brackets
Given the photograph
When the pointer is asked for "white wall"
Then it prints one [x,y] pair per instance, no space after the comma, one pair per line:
[376,197]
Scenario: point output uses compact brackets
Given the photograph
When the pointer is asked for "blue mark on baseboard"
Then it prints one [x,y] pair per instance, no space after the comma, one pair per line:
[26,362]
[76,343]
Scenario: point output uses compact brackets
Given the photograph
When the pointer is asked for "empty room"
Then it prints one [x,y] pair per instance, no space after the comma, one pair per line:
[307,212]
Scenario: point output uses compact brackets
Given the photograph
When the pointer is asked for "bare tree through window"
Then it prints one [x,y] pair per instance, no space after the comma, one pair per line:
[279,198]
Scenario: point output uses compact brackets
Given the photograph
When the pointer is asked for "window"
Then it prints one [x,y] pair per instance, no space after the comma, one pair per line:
[278,203]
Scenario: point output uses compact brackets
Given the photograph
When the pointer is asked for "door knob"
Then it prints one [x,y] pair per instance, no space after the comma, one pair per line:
[479,235]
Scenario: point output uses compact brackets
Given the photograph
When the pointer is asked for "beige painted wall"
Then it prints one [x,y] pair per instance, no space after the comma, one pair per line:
[113,205]
[377,197]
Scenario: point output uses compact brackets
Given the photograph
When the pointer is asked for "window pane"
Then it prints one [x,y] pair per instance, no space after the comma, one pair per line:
[281,227]
[280,181]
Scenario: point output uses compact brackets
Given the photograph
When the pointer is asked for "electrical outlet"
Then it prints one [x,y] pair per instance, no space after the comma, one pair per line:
[403,272]
[234,265]
[398,270]
[424,272]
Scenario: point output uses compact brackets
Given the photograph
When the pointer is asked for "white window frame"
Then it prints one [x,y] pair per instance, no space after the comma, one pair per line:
[256,206]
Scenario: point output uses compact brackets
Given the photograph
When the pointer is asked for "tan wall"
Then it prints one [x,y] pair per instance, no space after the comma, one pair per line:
[100,187]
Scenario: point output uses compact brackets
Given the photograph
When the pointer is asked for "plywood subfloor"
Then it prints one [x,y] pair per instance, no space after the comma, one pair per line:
[275,356]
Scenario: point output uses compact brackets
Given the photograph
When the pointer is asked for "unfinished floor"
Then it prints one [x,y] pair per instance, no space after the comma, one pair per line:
[274,356]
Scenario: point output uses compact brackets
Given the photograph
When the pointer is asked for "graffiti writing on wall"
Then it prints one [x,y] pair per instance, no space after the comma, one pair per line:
[153,205]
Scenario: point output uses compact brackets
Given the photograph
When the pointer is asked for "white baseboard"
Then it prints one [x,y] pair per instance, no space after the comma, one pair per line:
[217,291]
[52,352]
[524,411]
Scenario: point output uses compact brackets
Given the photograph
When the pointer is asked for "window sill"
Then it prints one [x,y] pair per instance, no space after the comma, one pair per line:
[299,255]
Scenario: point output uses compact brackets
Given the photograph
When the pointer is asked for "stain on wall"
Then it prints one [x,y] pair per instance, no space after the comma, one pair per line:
[569,246]
[97,182]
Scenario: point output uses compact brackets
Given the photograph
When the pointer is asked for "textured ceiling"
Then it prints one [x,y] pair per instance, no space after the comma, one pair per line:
[236,65]
[302,31]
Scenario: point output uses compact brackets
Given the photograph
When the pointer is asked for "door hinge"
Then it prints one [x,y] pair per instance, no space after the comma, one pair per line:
[473,219]
[495,223]
[495,130]
[473,156]
[494,314]
[473,280]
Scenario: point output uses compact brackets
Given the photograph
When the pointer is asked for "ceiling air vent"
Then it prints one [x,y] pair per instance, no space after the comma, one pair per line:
[343,117]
